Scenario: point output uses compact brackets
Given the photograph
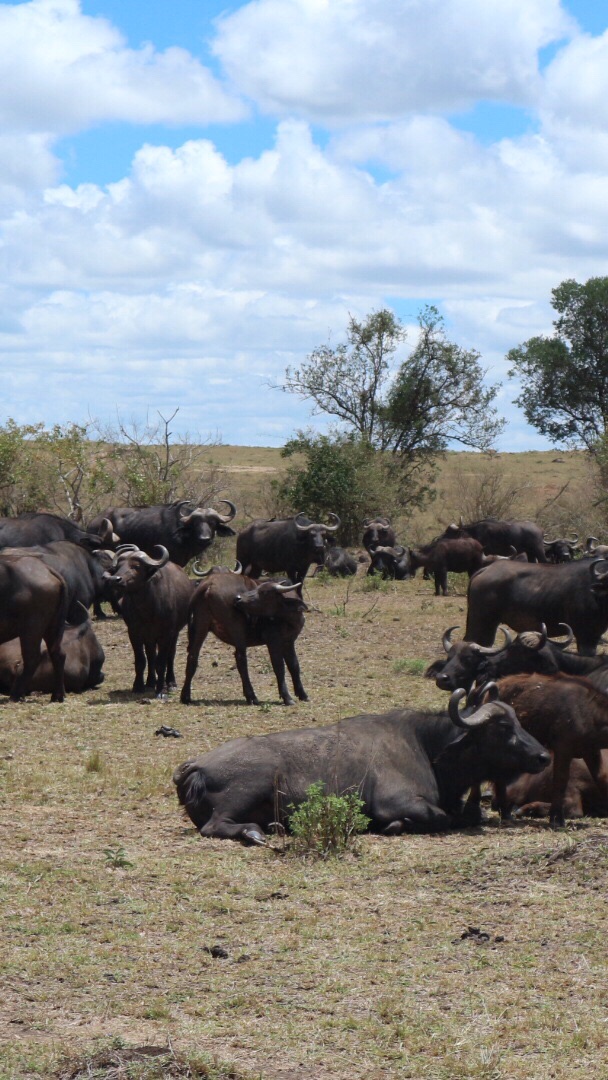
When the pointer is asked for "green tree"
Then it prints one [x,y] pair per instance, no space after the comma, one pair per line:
[564,378]
[338,474]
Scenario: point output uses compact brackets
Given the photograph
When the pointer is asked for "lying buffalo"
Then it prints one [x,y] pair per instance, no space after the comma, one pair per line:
[411,769]
[392,563]
[84,659]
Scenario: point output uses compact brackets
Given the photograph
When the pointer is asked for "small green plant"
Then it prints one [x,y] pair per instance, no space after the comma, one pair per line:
[374,583]
[94,762]
[412,667]
[116,858]
[325,825]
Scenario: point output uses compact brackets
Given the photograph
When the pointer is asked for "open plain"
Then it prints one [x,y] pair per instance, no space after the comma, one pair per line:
[477,954]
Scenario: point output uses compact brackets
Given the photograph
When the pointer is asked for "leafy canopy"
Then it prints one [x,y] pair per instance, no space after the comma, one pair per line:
[565,377]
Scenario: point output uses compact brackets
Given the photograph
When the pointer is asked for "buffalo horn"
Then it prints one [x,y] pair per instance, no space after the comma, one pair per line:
[590,541]
[567,630]
[477,715]
[201,573]
[492,650]
[147,560]
[315,525]
[594,569]
[227,517]
[446,639]
[283,586]
[532,639]
[238,568]
[124,549]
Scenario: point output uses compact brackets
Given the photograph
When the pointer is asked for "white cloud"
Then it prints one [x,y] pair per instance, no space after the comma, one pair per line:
[62,71]
[377,59]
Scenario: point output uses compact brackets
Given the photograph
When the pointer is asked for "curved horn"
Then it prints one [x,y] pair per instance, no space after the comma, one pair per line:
[461,522]
[594,569]
[238,568]
[201,573]
[564,644]
[333,528]
[123,549]
[147,560]
[224,518]
[282,586]
[492,650]
[303,528]
[446,639]
[478,715]
[589,543]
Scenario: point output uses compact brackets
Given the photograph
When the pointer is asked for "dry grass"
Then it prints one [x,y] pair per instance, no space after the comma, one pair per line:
[342,969]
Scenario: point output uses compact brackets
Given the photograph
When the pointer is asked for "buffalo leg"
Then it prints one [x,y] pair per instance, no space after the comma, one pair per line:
[139,659]
[410,815]
[30,653]
[278,666]
[224,829]
[240,655]
[561,775]
[150,649]
[198,629]
[293,664]
[57,655]
[170,677]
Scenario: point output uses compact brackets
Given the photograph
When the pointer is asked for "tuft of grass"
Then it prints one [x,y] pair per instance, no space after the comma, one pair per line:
[326,825]
[94,762]
[411,667]
[374,583]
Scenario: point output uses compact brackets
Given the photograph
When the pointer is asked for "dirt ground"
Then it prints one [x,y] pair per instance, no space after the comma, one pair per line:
[477,954]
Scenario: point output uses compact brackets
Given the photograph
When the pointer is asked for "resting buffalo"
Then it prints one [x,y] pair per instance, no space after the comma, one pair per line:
[287,546]
[184,530]
[338,562]
[244,613]
[392,563]
[33,605]
[525,596]
[463,556]
[84,659]
[411,769]
[498,537]
[378,531]
[531,795]
[154,600]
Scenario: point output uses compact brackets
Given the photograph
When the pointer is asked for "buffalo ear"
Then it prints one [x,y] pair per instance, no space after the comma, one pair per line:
[91,542]
[225,530]
[435,669]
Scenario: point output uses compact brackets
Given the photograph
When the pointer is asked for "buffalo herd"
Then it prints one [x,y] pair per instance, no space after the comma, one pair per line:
[535,719]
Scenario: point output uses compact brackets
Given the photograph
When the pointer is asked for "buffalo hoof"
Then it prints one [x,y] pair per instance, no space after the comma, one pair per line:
[251,836]
[394,829]
[253,701]
[185,699]
[303,696]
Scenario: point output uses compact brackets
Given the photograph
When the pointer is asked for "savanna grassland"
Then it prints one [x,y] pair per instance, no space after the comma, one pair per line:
[357,969]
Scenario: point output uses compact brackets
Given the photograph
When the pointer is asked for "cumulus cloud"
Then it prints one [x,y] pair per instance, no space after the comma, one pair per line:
[67,71]
[376,59]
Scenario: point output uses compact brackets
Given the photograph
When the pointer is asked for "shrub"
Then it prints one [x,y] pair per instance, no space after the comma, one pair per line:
[325,825]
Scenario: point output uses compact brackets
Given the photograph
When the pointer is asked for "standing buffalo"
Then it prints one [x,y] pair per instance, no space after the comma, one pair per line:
[561,550]
[287,546]
[462,556]
[185,532]
[378,531]
[392,563]
[244,613]
[499,537]
[154,600]
[33,605]
[525,596]
[29,530]
[410,768]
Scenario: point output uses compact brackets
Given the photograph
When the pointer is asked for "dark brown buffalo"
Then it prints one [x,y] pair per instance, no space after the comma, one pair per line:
[84,659]
[392,563]
[463,556]
[561,550]
[154,600]
[498,537]
[530,796]
[411,769]
[338,561]
[243,613]
[526,595]
[33,605]
[288,546]
[569,716]
[29,530]
[464,662]
[185,530]
[378,531]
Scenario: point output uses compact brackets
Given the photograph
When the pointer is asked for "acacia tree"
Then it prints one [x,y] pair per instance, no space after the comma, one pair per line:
[411,411]
[564,378]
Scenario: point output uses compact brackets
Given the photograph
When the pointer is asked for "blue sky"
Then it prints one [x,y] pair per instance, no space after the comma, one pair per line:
[194,195]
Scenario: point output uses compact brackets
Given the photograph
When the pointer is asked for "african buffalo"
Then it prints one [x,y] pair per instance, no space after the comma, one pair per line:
[411,769]
[569,716]
[530,795]
[31,529]
[81,571]
[561,550]
[392,563]
[287,546]
[184,530]
[525,596]
[154,601]
[84,659]
[462,556]
[498,537]
[33,605]
[595,550]
[338,562]
[243,613]
[378,531]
